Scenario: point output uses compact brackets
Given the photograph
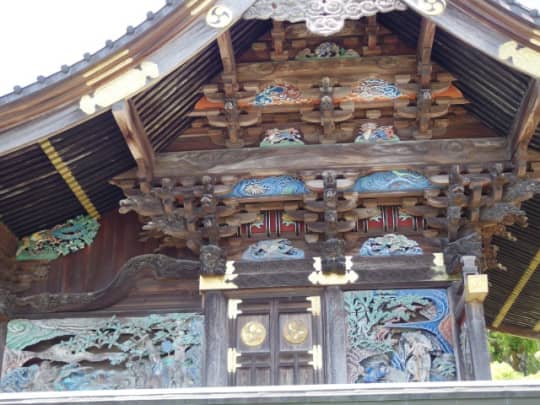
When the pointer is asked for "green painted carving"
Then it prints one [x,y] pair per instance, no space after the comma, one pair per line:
[61,240]
[399,336]
[156,351]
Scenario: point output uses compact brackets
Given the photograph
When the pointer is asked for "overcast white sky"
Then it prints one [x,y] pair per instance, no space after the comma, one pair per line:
[38,36]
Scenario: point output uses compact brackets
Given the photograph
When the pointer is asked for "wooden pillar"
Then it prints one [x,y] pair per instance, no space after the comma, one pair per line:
[478,340]
[335,336]
[3,336]
[215,363]
[475,291]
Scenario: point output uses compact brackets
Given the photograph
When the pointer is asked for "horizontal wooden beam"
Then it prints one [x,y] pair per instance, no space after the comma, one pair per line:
[370,273]
[354,67]
[273,161]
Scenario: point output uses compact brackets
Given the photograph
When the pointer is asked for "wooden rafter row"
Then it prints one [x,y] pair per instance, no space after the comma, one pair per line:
[514,295]
[64,171]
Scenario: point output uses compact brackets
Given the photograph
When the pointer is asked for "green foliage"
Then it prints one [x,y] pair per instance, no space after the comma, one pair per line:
[516,352]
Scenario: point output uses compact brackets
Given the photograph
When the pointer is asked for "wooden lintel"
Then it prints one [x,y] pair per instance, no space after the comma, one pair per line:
[273,161]
[335,68]
[526,121]
[130,124]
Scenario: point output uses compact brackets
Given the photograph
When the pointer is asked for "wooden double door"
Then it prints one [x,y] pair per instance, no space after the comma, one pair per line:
[275,341]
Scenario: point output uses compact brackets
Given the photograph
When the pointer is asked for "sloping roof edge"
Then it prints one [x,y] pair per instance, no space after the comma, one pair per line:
[48,108]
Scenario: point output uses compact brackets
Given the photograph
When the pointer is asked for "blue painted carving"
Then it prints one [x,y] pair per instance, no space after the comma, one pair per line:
[281,137]
[394,180]
[327,50]
[399,336]
[156,351]
[371,133]
[376,88]
[276,249]
[268,187]
[390,245]
[73,235]
[279,93]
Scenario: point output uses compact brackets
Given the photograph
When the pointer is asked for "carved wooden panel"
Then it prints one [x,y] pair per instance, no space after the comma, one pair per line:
[155,351]
[276,341]
[399,336]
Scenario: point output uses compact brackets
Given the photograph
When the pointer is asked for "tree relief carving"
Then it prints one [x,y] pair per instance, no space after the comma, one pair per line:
[156,351]
[63,239]
[399,336]
[275,249]
[390,245]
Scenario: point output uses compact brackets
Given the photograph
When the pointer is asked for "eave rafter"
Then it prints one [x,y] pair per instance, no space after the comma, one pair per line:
[130,124]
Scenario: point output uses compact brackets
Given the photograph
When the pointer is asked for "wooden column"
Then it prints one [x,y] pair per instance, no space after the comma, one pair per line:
[475,292]
[215,363]
[335,336]
[3,335]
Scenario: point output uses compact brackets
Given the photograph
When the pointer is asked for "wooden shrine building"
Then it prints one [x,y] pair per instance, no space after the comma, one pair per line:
[275,192]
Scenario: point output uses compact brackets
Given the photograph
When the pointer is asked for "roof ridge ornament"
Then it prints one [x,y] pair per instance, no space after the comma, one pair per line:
[322,17]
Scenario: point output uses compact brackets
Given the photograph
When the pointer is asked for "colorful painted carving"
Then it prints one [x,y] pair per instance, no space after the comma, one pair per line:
[327,50]
[268,187]
[275,249]
[399,336]
[394,180]
[156,351]
[272,224]
[61,240]
[371,133]
[370,89]
[280,93]
[281,137]
[390,245]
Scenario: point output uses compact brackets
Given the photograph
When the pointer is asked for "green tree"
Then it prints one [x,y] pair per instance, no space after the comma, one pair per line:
[518,352]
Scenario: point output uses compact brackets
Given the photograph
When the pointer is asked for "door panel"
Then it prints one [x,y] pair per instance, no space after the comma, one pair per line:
[274,340]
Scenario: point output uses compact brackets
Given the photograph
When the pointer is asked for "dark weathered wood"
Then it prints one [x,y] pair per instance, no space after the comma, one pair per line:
[160,266]
[95,267]
[478,340]
[382,156]
[3,335]
[373,273]
[215,362]
[335,332]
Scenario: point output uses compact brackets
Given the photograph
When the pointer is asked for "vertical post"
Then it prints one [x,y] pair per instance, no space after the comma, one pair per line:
[475,291]
[215,364]
[3,336]
[335,334]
